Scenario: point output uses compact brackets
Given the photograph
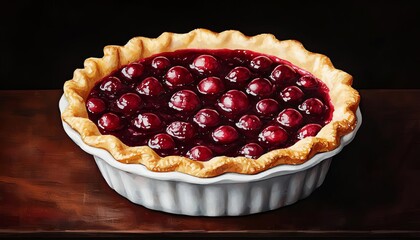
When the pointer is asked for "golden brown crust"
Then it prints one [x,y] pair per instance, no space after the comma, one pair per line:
[344,98]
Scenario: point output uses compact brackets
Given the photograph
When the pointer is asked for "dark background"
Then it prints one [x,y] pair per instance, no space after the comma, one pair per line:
[43,42]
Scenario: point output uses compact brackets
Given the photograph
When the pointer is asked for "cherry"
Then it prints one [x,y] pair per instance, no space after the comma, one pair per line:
[207,118]
[273,136]
[147,122]
[249,123]
[210,86]
[181,130]
[111,86]
[312,106]
[132,70]
[290,117]
[308,130]
[251,150]
[150,86]
[207,103]
[267,107]
[234,101]
[200,153]
[109,122]
[239,75]
[184,100]
[95,105]
[178,76]
[261,63]
[206,64]
[307,81]
[161,141]
[291,94]
[261,87]
[283,74]
[129,103]
[225,134]
[160,63]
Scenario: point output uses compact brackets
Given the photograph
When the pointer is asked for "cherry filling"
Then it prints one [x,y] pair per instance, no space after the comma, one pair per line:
[204,103]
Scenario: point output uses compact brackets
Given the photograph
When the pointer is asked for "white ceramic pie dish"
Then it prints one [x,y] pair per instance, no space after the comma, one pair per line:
[230,194]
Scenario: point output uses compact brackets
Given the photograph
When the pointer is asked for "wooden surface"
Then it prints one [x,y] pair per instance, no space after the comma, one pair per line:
[49,187]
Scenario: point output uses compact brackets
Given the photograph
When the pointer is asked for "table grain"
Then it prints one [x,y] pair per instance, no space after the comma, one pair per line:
[50,188]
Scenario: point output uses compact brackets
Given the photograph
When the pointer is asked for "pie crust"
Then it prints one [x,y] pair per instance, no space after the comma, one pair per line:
[344,98]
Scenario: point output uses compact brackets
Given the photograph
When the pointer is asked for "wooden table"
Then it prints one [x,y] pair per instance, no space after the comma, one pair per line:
[49,187]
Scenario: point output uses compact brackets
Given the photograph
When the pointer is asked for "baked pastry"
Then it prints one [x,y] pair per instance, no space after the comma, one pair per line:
[206,103]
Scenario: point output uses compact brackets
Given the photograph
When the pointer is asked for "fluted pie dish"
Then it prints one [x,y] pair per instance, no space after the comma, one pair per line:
[205,110]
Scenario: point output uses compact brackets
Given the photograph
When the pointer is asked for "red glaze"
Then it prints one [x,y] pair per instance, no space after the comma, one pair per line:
[205,103]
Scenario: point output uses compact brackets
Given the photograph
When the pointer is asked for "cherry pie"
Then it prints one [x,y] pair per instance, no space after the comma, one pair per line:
[206,103]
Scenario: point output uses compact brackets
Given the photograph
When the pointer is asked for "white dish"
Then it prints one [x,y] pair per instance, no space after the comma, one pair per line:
[230,194]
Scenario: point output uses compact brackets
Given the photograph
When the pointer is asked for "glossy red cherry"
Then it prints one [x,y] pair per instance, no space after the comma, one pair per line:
[283,74]
[261,63]
[249,123]
[290,117]
[95,105]
[260,87]
[225,134]
[312,106]
[307,82]
[291,94]
[273,136]
[111,86]
[267,107]
[200,153]
[150,86]
[178,76]
[181,130]
[160,63]
[207,118]
[234,101]
[147,122]
[210,86]
[161,141]
[184,100]
[239,75]
[129,103]
[109,122]
[206,64]
[132,70]
[251,150]
[308,130]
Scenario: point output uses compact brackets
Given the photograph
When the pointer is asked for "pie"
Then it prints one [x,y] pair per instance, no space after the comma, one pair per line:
[206,103]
